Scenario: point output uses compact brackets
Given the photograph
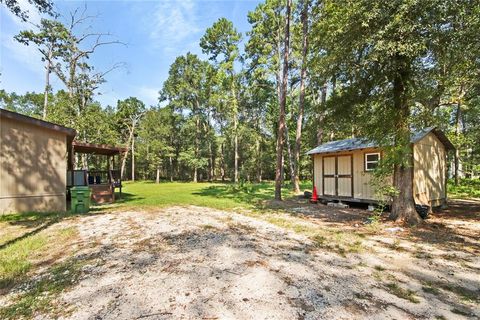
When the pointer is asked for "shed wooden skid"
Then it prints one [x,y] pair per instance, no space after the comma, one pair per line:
[33,163]
[342,169]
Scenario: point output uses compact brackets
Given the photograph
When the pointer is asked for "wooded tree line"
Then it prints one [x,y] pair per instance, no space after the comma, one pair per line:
[307,72]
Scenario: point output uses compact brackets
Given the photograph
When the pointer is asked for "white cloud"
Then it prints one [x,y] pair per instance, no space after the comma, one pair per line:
[28,56]
[173,22]
[11,50]
[148,95]
[34,16]
[109,96]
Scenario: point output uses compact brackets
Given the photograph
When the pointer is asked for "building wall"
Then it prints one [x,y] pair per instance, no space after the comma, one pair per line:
[362,188]
[429,171]
[33,168]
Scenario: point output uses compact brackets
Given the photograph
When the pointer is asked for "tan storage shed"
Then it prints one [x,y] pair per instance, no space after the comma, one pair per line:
[342,170]
[33,164]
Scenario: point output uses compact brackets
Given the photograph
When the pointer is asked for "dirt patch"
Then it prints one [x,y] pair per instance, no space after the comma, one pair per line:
[199,263]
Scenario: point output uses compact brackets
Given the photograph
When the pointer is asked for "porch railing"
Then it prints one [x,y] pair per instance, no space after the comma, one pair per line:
[94,177]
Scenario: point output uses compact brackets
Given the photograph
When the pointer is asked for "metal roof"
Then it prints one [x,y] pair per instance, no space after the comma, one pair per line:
[362,143]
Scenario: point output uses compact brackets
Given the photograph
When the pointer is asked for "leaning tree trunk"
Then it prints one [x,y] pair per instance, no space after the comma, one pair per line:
[157,180]
[321,115]
[48,67]
[212,163]
[125,155]
[235,129]
[259,159]
[197,142]
[290,156]
[283,102]
[235,142]
[133,158]
[301,99]
[457,134]
[403,205]
[222,163]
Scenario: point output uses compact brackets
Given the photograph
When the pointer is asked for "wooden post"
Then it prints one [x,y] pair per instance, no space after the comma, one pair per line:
[72,164]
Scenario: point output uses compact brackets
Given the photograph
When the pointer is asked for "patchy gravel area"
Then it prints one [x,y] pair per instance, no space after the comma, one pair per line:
[200,263]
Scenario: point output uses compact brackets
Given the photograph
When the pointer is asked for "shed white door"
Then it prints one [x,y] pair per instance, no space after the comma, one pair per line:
[338,176]
[344,176]
[329,172]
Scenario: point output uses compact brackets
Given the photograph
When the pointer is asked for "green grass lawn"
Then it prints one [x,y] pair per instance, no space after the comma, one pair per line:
[24,235]
[214,195]
[466,188]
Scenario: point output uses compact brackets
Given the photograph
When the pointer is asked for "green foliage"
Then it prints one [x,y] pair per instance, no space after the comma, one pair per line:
[51,39]
[42,6]
[380,181]
[213,114]
[221,42]
[467,188]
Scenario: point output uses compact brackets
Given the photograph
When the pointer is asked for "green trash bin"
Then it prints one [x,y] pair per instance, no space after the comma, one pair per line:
[80,199]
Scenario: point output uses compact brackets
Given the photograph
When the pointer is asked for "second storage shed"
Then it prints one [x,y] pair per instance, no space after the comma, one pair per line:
[343,169]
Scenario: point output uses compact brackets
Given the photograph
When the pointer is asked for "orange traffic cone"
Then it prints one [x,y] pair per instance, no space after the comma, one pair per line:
[314,195]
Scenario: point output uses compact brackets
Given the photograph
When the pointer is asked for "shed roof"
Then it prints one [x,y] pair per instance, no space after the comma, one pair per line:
[69,132]
[362,143]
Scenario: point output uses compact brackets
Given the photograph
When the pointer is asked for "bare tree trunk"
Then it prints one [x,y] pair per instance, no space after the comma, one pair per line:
[320,131]
[403,206]
[290,157]
[212,163]
[84,161]
[133,156]
[301,99]
[321,115]
[171,168]
[157,180]
[197,133]
[222,163]
[259,160]
[125,155]
[48,67]
[283,102]
[235,129]
[458,117]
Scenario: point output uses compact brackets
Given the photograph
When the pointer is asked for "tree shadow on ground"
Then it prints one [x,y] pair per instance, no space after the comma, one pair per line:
[182,263]
[447,236]
[31,223]
[126,197]
[452,227]
[437,229]
[461,209]
[252,194]
[28,224]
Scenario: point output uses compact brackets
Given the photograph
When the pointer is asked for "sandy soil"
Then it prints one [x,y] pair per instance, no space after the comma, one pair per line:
[199,263]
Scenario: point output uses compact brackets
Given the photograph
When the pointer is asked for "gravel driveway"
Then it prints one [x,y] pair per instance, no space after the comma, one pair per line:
[199,263]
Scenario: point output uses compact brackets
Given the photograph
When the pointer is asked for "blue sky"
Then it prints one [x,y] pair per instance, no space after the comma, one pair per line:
[155,33]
